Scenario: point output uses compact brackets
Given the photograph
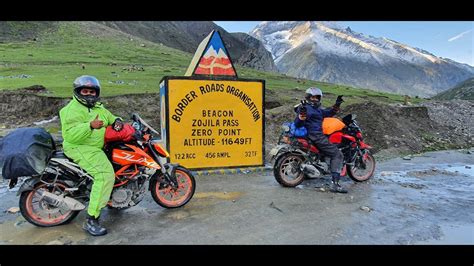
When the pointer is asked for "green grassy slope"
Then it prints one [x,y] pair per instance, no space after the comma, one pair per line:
[56,59]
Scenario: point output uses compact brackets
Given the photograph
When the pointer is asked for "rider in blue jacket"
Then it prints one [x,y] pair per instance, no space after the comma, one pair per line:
[311,115]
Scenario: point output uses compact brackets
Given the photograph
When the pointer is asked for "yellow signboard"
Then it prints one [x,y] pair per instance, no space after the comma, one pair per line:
[215,123]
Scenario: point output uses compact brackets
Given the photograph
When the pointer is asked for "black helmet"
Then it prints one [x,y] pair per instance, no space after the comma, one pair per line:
[313,91]
[88,82]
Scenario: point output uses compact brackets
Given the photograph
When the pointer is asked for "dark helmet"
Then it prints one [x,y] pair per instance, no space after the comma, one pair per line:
[88,82]
[313,91]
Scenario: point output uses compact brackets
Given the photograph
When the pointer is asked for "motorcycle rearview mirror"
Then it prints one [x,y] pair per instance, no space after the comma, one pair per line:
[135,117]
[347,120]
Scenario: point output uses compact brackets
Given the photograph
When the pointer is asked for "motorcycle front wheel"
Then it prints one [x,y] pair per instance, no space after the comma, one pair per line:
[362,170]
[287,170]
[168,197]
[36,210]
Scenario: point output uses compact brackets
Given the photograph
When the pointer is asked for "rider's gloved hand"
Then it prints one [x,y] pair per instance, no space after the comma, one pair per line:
[339,100]
[302,113]
[298,107]
[96,123]
[118,124]
[303,110]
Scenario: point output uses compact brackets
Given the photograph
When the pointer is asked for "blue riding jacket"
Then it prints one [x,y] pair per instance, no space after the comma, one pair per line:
[314,118]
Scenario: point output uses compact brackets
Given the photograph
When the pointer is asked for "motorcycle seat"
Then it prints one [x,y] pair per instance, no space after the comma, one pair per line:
[308,144]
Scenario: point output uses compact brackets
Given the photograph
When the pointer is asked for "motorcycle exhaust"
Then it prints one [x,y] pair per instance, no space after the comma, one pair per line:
[310,170]
[61,201]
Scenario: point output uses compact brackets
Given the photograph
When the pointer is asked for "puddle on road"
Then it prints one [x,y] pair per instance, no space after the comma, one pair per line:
[220,195]
[25,233]
[414,175]
[178,215]
[454,235]
[4,187]
[202,202]
[465,169]
[397,176]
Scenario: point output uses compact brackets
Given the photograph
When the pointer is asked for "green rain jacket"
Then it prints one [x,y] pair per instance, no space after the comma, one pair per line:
[84,145]
[75,125]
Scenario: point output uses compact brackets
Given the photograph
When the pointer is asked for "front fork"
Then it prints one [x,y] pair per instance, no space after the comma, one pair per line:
[361,158]
[167,169]
[170,175]
[357,157]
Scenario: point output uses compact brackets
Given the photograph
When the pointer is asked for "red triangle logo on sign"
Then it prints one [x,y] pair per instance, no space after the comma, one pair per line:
[211,58]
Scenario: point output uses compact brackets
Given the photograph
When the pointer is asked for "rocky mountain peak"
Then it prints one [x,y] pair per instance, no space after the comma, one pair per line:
[326,51]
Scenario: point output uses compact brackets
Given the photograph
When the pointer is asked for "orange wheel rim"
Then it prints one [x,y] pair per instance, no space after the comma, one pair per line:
[172,197]
[43,220]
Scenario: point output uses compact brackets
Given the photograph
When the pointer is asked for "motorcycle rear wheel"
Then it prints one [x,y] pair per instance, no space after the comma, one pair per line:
[38,212]
[170,198]
[359,174]
[287,170]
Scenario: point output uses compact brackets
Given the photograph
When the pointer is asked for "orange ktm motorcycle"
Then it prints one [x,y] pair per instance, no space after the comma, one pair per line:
[58,195]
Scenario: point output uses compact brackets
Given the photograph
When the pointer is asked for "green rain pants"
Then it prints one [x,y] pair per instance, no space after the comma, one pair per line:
[96,163]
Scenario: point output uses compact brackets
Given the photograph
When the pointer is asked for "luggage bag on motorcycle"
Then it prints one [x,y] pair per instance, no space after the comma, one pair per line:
[125,135]
[25,152]
[298,132]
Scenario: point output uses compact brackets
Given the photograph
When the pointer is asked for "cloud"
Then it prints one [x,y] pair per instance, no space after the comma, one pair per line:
[459,36]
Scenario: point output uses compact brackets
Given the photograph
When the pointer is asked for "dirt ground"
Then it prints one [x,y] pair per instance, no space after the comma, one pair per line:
[26,108]
[424,199]
[390,129]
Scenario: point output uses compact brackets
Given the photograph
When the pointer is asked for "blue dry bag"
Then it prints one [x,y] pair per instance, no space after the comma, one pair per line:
[298,131]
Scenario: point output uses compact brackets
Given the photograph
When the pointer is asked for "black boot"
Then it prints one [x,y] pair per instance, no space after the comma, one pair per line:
[335,186]
[93,227]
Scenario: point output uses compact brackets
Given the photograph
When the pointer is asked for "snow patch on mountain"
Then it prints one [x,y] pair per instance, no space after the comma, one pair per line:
[326,51]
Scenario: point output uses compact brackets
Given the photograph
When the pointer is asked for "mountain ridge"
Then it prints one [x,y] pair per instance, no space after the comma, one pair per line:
[181,35]
[186,36]
[340,55]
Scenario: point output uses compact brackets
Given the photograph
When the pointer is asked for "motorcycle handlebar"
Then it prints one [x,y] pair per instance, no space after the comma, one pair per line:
[143,126]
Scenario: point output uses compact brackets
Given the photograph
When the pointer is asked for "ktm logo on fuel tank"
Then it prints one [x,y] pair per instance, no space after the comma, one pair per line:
[133,158]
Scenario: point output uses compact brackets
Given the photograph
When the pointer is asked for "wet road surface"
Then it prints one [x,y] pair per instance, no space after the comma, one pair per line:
[428,199]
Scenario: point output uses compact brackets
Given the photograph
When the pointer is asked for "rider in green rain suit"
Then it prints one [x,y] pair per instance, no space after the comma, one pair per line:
[83,122]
